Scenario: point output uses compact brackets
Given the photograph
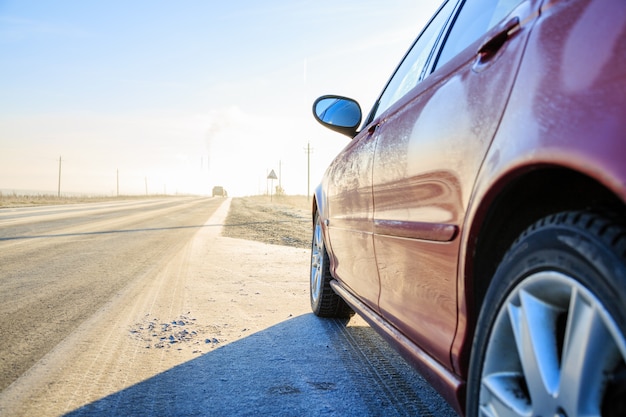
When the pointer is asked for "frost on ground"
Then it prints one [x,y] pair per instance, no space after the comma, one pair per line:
[177,333]
[281,220]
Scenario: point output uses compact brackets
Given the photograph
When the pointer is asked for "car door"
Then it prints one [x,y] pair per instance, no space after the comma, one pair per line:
[431,143]
[350,200]
[350,218]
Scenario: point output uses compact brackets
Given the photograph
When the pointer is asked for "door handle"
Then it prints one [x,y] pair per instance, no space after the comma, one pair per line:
[491,47]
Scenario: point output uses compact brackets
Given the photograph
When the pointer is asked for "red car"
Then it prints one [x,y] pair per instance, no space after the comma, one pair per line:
[477,218]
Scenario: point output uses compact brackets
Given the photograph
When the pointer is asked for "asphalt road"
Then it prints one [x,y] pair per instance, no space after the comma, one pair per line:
[142,308]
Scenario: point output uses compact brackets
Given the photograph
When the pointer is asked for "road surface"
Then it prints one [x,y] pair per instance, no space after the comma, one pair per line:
[142,308]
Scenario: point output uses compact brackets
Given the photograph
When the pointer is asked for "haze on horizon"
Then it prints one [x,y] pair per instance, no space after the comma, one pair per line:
[163,97]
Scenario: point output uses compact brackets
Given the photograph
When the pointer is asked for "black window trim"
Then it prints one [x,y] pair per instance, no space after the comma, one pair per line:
[443,38]
[430,62]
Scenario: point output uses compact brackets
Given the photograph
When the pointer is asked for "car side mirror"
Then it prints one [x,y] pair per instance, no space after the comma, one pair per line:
[337,113]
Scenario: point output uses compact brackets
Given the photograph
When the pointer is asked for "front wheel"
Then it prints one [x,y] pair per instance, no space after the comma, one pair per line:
[324,301]
[550,339]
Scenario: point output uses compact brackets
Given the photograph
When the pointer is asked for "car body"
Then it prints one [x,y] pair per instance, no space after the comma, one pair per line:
[483,195]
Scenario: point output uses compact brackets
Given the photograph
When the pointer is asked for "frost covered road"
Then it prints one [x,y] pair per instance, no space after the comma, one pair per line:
[142,308]
[60,264]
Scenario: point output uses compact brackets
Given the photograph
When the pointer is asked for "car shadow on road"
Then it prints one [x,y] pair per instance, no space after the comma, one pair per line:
[304,366]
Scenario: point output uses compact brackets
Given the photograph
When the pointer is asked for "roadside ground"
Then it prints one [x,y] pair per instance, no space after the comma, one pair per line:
[280,220]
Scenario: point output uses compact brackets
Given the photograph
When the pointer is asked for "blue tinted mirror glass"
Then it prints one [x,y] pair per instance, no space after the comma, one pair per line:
[340,112]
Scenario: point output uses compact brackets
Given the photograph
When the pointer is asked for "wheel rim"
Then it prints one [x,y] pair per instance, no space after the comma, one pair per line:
[552,351]
[317,263]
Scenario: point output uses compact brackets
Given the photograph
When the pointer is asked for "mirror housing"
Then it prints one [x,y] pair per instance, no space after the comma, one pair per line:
[338,113]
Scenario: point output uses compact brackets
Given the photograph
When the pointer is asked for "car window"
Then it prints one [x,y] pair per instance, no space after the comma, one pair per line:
[474,20]
[412,68]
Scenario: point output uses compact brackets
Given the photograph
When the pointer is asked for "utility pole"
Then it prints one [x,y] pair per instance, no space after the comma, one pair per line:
[308,151]
[59,187]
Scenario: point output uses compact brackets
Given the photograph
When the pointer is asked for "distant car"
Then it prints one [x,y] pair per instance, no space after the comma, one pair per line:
[477,219]
[219,191]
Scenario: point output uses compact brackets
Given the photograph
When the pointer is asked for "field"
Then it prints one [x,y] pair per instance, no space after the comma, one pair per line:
[282,220]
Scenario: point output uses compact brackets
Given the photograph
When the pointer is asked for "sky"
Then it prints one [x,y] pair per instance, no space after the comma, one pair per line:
[152,96]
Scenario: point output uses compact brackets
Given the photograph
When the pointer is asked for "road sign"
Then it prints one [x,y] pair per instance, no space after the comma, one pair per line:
[272,176]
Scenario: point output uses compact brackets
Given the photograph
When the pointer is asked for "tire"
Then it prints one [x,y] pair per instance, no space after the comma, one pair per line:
[550,339]
[324,301]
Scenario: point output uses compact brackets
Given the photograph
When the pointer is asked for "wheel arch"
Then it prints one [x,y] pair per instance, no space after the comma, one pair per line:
[314,210]
[510,206]
[318,204]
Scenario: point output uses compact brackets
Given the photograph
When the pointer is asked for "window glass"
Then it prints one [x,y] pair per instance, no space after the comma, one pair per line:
[474,20]
[412,69]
